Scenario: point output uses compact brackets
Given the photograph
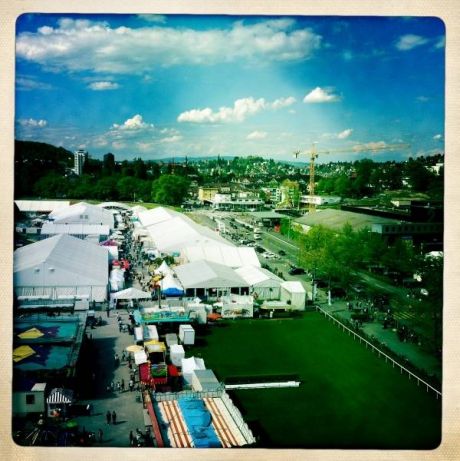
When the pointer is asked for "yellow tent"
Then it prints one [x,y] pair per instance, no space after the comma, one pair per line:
[22,352]
[158,346]
[33,333]
[134,348]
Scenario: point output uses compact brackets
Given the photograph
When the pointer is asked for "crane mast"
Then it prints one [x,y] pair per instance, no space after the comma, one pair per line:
[314,153]
[313,157]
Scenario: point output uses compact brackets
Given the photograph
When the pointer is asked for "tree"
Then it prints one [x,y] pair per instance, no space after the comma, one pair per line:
[127,188]
[106,188]
[170,189]
[51,186]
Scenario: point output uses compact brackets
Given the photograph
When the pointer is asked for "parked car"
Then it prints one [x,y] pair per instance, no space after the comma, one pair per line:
[296,271]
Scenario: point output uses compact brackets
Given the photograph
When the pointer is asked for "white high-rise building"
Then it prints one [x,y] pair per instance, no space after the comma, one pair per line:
[79,158]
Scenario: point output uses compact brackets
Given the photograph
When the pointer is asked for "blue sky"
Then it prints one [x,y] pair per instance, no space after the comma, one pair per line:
[155,86]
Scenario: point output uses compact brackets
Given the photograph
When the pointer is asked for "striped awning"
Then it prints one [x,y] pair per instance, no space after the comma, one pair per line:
[60,395]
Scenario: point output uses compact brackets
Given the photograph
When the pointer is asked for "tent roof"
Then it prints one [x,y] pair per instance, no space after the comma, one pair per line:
[222,254]
[131,293]
[138,208]
[163,269]
[293,287]
[156,216]
[206,274]
[67,253]
[258,276]
[41,206]
[169,282]
[191,364]
[75,228]
[179,232]
[73,213]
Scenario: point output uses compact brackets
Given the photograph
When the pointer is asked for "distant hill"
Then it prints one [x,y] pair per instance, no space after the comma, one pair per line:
[33,160]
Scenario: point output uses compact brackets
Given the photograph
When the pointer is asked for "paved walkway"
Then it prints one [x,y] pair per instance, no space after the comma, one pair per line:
[107,341]
[410,351]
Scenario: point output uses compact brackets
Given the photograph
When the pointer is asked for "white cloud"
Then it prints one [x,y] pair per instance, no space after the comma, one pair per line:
[257,135]
[83,45]
[320,95]
[345,133]
[104,85]
[441,43]
[370,146]
[283,102]
[143,146]
[135,123]
[155,18]
[410,41]
[31,122]
[242,108]
[118,145]
[437,137]
[170,139]
[29,83]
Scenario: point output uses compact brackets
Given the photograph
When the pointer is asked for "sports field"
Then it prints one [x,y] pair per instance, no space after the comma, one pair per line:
[348,397]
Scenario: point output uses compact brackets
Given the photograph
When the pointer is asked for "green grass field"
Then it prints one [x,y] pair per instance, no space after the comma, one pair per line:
[349,398]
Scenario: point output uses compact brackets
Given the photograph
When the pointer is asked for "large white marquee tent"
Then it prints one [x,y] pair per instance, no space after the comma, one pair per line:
[61,266]
[83,213]
[264,284]
[209,279]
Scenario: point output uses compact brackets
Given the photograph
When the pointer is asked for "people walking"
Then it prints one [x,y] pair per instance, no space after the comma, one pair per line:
[100,434]
[131,438]
[122,385]
[108,417]
[114,417]
[131,385]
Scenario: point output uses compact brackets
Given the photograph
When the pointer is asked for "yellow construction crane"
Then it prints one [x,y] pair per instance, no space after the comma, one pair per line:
[314,153]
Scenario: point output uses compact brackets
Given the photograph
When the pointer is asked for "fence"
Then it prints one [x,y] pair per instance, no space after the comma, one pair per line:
[238,418]
[394,363]
[167,396]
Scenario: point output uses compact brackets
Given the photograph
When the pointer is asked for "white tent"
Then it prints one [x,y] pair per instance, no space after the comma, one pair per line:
[176,354]
[164,269]
[61,265]
[221,254]
[132,293]
[237,306]
[136,209]
[189,366]
[264,284]
[172,235]
[208,275]
[117,279]
[41,206]
[79,230]
[156,216]
[140,357]
[83,213]
[294,294]
[170,286]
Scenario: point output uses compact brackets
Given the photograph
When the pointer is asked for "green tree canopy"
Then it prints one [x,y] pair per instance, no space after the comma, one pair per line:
[170,189]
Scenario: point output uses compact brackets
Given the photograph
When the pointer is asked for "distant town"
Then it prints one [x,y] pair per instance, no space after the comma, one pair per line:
[172,295]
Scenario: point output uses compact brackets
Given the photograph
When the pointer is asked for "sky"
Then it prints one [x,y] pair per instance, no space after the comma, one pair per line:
[154,86]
